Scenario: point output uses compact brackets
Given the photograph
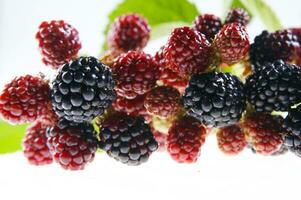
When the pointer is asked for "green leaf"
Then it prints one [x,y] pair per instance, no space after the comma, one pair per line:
[258,8]
[157,12]
[11,137]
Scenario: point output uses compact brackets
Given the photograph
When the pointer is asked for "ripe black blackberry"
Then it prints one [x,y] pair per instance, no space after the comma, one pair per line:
[216,99]
[292,122]
[82,90]
[73,145]
[268,47]
[275,86]
[293,143]
[127,139]
[238,15]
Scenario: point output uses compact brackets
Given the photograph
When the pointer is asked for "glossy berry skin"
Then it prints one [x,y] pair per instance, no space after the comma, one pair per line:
[82,90]
[187,52]
[231,140]
[35,148]
[232,43]
[265,132]
[238,15]
[207,24]
[127,139]
[72,146]
[215,99]
[58,42]
[128,32]
[293,143]
[185,138]
[163,101]
[269,47]
[292,122]
[135,74]
[133,107]
[274,86]
[24,99]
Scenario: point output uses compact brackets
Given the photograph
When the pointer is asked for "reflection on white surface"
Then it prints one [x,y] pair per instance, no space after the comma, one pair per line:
[215,176]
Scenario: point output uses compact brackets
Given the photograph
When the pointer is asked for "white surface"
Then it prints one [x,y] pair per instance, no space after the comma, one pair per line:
[215,176]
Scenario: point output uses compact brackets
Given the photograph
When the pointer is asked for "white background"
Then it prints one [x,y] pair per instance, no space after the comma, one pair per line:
[214,176]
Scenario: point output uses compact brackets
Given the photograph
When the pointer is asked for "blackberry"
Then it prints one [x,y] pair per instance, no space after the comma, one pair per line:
[268,47]
[127,139]
[238,15]
[73,145]
[185,139]
[231,140]
[25,99]
[187,51]
[215,99]
[135,74]
[275,86]
[207,24]
[82,90]
[58,42]
[163,101]
[265,132]
[35,148]
[292,122]
[232,43]
[128,32]
[293,143]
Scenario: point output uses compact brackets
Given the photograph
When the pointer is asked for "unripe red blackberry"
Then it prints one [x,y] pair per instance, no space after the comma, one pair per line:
[231,140]
[207,24]
[58,42]
[25,99]
[133,107]
[72,145]
[238,15]
[187,52]
[265,132]
[128,32]
[163,101]
[185,138]
[135,74]
[35,148]
[232,43]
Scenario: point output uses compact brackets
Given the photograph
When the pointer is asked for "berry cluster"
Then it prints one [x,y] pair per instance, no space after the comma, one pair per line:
[130,104]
